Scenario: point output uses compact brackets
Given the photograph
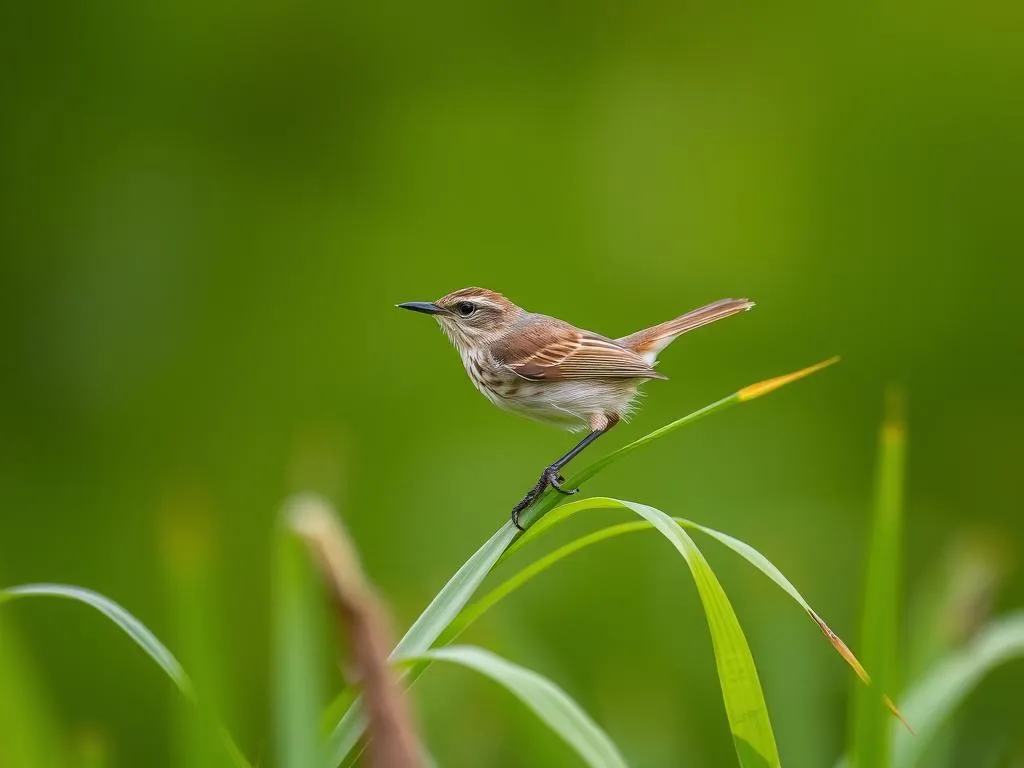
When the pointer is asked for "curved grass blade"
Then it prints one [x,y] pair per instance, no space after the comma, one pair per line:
[744,701]
[931,700]
[477,609]
[741,689]
[454,596]
[551,704]
[425,630]
[870,732]
[741,548]
[132,627]
[460,588]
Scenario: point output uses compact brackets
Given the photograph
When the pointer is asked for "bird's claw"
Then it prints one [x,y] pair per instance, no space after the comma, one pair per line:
[555,480]
[526,501]
[550,477]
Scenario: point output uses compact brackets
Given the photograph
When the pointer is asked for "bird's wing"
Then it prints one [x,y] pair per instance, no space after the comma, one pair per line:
[553,351]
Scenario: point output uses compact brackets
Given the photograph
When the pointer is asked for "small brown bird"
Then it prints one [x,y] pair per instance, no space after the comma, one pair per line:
[548,370]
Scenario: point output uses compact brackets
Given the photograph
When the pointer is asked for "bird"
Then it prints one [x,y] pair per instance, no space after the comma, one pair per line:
[553,372]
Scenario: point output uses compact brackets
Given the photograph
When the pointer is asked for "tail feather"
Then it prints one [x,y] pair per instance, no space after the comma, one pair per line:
[650,341]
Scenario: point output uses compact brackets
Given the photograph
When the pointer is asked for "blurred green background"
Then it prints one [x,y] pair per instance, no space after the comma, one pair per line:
[209,210]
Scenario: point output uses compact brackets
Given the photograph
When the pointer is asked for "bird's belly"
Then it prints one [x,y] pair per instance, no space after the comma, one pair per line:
[566,404]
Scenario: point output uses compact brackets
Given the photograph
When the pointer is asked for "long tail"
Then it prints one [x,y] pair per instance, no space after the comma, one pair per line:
[650,341]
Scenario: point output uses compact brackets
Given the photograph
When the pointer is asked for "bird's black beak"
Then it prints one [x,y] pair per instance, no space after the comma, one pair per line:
[425,307]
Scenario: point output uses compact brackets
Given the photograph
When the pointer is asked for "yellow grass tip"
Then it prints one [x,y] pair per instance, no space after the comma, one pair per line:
[893,427]
[896,713]
[770,385]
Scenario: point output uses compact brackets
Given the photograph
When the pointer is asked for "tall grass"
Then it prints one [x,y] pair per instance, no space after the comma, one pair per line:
[870,738]
[299,601]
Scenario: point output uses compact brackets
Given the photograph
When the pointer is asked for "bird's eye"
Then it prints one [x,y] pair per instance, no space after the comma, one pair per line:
[465,308]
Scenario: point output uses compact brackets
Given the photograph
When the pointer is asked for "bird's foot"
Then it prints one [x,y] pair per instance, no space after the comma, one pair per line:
[555,480]
[549,476]
[530,497]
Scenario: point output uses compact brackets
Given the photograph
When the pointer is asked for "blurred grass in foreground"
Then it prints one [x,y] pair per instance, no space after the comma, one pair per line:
[870,732]
[298,698]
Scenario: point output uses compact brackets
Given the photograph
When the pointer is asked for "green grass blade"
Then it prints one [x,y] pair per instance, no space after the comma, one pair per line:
[744,550]
[551,499]
[460,588]
[454,596]
[744,700]
[930,702]
[741,689]
[951,603]
[551,704]
[445,606]
[768,568]
[477,609]
[871,733]
[187,545]
[363,633]
[297,654]
[131,626]
[28,720]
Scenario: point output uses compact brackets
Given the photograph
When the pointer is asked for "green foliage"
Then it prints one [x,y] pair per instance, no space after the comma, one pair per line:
[745,707]
[559,712]
[425,630]
[135,630]
[871,740]
[131,626]
[741,689]
[298,656]
[31,732]
[192,594]
[209,209]
[299,610]
[930,701]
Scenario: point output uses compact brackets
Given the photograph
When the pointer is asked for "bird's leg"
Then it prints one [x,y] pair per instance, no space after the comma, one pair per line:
[552,473]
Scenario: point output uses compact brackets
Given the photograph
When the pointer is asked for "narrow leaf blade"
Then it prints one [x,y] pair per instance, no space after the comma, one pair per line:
[460,588]
[187,544]
[298,654]
[741,689]
[28,720]
[472,612]
[744,550]
[550,703]
[131,626]
[770,385]
[552,499]
[445,606]
[930,702]
[871,732]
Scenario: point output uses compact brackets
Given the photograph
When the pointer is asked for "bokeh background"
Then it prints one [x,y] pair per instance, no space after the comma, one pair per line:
[209,210]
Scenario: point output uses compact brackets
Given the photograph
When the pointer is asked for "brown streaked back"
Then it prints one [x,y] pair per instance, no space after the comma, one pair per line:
[547,349]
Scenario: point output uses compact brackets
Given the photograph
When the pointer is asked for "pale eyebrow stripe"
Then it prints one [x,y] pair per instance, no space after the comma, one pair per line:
[480,301]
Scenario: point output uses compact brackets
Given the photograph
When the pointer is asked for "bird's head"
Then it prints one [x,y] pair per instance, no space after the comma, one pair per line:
[471,316]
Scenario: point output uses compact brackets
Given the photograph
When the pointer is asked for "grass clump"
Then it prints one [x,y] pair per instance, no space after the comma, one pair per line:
[877,739]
